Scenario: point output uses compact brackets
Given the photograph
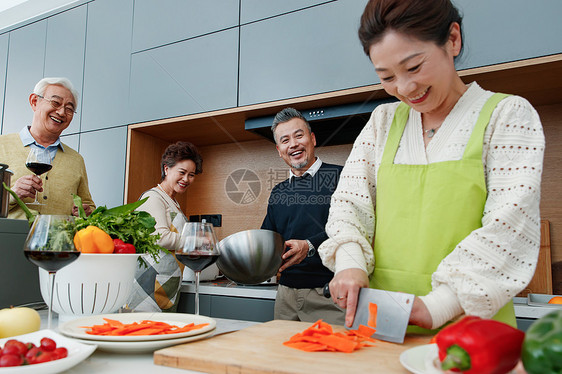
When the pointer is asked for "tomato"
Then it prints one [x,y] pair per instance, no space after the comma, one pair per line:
[22,347]
[32,354]
[16,353]
[10,350]
[44,357]
[48,344]
[11,342]
[61,352]
[10,360]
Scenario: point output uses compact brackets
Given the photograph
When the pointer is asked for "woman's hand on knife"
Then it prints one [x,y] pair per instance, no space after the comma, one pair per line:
[344,289]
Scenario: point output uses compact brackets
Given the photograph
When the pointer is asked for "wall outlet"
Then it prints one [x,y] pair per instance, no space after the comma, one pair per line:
[215,219]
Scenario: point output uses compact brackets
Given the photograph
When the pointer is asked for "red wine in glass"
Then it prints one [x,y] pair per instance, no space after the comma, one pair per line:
[38,168]
[199,250]
[50,245]
[51,261]
[39,162]
[197,261]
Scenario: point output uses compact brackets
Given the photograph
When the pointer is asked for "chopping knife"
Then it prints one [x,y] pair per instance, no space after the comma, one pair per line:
[393,312]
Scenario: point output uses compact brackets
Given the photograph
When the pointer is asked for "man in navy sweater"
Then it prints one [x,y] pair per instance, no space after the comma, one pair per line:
[298,209]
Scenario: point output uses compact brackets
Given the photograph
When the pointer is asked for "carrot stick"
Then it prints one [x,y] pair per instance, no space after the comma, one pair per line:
[372,322]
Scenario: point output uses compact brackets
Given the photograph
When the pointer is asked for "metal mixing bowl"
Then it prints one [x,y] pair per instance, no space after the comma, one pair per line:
[251,256]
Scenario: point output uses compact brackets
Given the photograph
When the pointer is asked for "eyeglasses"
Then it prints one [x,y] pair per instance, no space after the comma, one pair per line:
[68,110]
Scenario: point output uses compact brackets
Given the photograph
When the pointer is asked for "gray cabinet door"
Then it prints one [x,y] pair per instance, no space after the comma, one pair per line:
[163,22]
[64,55]
[253,10]
[509,30]
[307,52]
[246,309]
[193,76]
[107,64]
[3,63]
[26,57]
[104,153]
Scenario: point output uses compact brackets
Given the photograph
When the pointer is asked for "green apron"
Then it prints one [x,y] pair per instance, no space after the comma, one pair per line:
[424,211]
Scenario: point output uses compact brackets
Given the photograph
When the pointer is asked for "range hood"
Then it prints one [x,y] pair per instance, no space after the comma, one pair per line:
[333,125]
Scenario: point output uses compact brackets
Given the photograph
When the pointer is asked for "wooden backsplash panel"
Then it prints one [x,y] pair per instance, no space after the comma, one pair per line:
[551,188]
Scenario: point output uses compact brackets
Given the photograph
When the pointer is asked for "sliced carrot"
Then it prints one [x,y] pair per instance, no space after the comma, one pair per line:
[146,327]
[113,323]
[372,322]
[338,343]
[321,337]
[365,331]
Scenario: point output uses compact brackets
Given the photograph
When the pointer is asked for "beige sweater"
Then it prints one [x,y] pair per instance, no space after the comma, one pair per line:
[67,176]
[493,263]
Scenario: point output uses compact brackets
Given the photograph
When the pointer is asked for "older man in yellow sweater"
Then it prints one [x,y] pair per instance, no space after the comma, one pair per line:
[53,102]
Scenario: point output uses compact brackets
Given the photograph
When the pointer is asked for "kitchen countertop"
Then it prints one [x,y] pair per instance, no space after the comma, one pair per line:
[119,363]
[225,287]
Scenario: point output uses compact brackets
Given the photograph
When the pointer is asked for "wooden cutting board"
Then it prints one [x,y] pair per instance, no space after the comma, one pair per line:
[260,349]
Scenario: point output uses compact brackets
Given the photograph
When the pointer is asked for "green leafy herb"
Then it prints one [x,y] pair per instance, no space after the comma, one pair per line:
[61,236]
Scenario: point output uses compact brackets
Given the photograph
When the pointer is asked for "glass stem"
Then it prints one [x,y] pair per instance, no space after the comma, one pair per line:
[197,292]
[49,315]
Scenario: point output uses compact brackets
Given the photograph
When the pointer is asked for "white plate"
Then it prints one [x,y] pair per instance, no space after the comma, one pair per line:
[147,346]
[75,328]
[420,359]
[77,352]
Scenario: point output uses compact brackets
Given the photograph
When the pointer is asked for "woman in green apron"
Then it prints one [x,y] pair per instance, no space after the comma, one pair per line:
[440,194]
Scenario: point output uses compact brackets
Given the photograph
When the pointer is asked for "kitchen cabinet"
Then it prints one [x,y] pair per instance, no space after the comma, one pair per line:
[245,309]
[103,152]
[107,64]
[223,299]
[302,53]
[3,64]
[254,10]
[193,76]
[183,19]
[509,30]
[26,57]
[64,53]
[18,276]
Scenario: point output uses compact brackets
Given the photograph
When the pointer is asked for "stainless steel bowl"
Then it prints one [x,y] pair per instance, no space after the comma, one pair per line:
[251,256]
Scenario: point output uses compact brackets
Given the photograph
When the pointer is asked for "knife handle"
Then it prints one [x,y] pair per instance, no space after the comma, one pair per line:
[326,291]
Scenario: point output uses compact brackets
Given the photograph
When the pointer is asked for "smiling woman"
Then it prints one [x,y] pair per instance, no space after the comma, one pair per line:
[157,287]
[448,178]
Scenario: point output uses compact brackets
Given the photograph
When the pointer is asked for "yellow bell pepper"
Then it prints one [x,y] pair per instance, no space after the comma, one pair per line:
[92,239]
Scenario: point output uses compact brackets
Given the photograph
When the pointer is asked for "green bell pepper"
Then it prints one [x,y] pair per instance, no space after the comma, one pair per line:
[542,347]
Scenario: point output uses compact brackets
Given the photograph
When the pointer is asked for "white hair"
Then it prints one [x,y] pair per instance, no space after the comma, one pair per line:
[41,86]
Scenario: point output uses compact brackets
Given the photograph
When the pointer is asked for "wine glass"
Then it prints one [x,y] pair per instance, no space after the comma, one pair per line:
[39,162]
[200,250]
[50,245]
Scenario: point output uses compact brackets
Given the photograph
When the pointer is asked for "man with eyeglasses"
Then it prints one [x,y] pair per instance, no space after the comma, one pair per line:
[53,102]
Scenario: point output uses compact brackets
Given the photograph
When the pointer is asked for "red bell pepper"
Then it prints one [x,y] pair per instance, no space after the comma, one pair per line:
[122,247]
[479,346]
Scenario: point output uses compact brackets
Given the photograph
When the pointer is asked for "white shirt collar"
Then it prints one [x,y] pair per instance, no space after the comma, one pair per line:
[311,170]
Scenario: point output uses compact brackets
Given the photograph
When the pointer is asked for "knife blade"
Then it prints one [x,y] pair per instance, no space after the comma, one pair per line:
[393,312]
